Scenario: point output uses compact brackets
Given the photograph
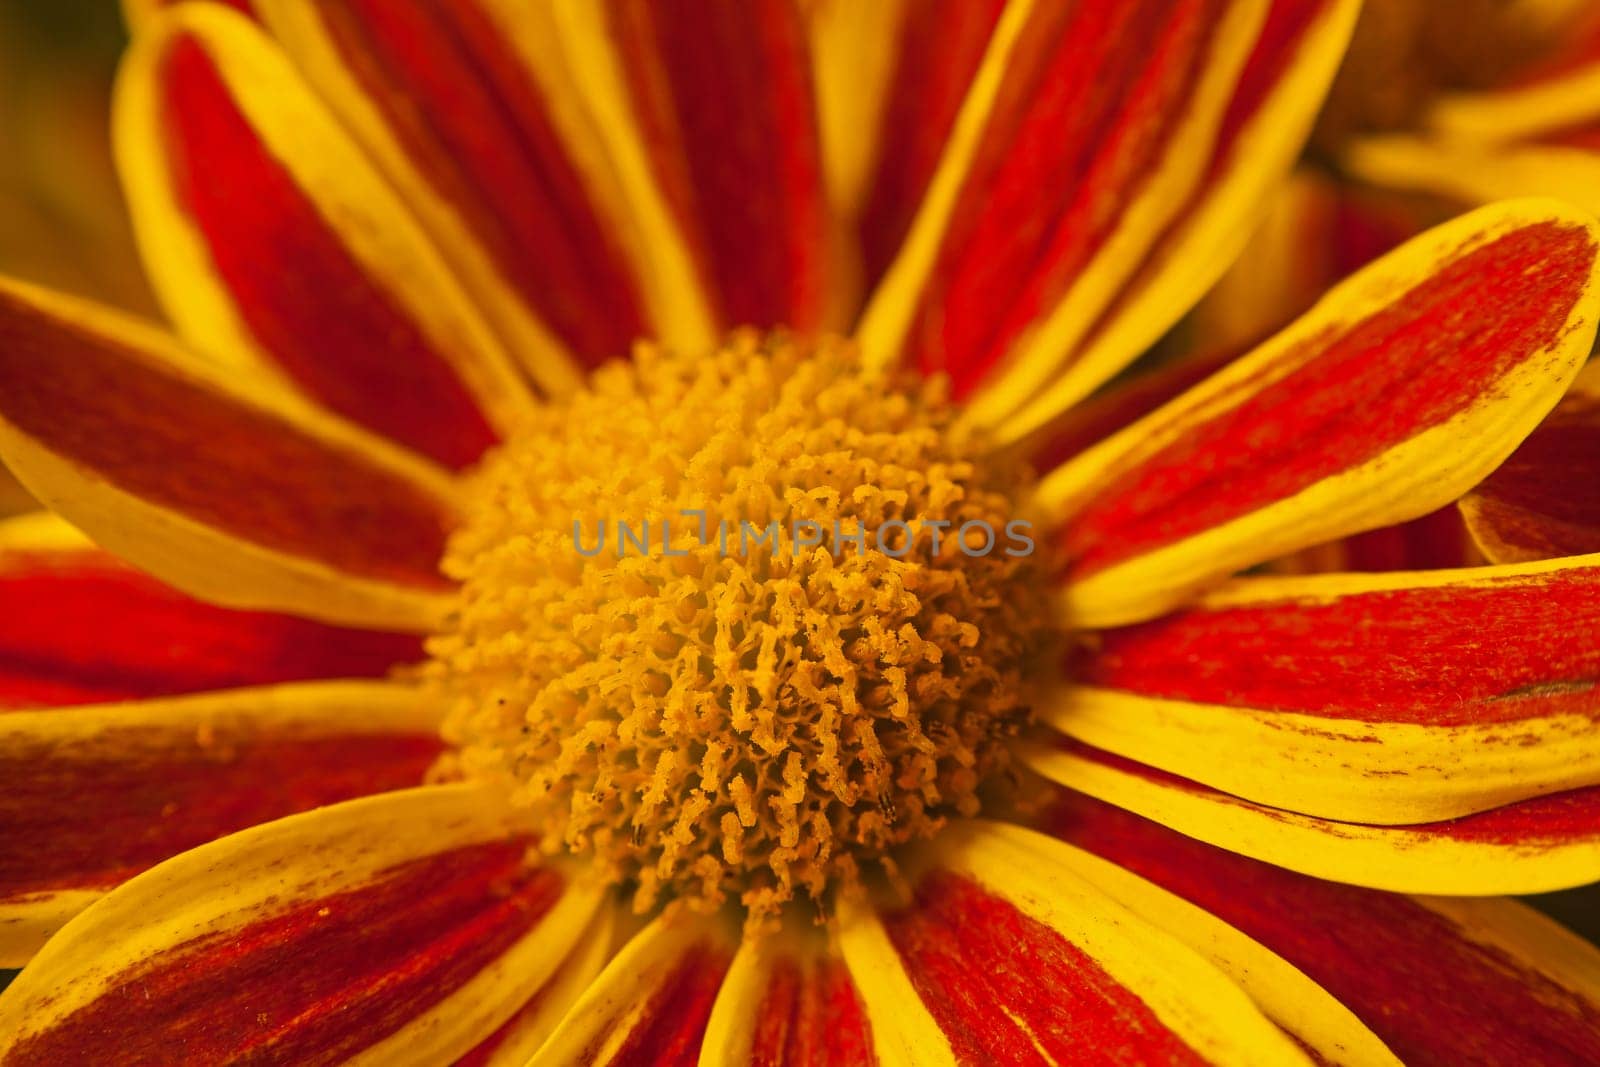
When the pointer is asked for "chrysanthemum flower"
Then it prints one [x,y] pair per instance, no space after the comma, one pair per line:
[369,756]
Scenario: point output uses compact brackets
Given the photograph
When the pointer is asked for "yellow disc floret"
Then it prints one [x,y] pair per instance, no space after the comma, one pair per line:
[737,625]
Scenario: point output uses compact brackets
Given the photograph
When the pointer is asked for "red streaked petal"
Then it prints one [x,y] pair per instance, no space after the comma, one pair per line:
[939,46]
[1545,500]
[1396,394]
[307,940]
[98,793]
[1267,119]
[788,1001]
[652,1002]
[1002,955]
[212,480]
[1072,114]
[77,626]
[1440,981]
[442,97]
[722,99]
[1535,846]
[1394,698]
[272,240]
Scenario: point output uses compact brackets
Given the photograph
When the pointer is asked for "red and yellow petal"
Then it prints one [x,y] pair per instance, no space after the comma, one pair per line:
[78,626]
[273,241]
[1441,981]
[652,1002]
[1020,247]
[1268,117]
[712,126]
[788,999]
[1544,501]
[212,480]
[96,794]
[1386,698]
[1064,162]
[404,925]
[461,106]
[1001,956]
[1534,846]
[519,1037]
[1396,394]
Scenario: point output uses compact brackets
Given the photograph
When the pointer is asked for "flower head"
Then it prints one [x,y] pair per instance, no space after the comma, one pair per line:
[609,563]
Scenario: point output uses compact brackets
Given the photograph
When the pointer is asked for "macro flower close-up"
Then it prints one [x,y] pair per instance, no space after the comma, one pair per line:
[810,532]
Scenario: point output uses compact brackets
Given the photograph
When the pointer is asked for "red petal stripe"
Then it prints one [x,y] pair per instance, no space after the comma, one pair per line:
[1484,309]
[1431,994]
[467,113]
[1557,819]
[811,1016]
[78,627]
[1088,424]
[723,92]
[1085,108]
[93,819]
[383,953]
[1544,501]
[968,953]
[1518,648]
[307,302]
[941,45]
[172,442]
[672,1026]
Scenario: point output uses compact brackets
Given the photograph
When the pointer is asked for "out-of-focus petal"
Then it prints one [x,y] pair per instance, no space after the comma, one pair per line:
[1544,501]
[94,795]
[78,626]
[711,120]
[463,107]
[217,482]
[273,241]
[402,926]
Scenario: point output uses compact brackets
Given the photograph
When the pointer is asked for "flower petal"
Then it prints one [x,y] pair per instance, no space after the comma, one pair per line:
[1440,981]
[1469,173]
[1389,698]
[652,1001]
[1393,396]
[1268,118]
[96,794]
[136,12]
[787,999]
[445,100]
[219,484]
[1021,246]
[403,925]
[78,626]
[712,124]
[520,1036]
[1014,960]
[1535,846]
[1289,998]
[271,240]
[1545,500]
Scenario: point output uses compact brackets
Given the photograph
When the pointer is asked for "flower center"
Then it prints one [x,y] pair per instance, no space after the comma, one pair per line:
[738,625]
